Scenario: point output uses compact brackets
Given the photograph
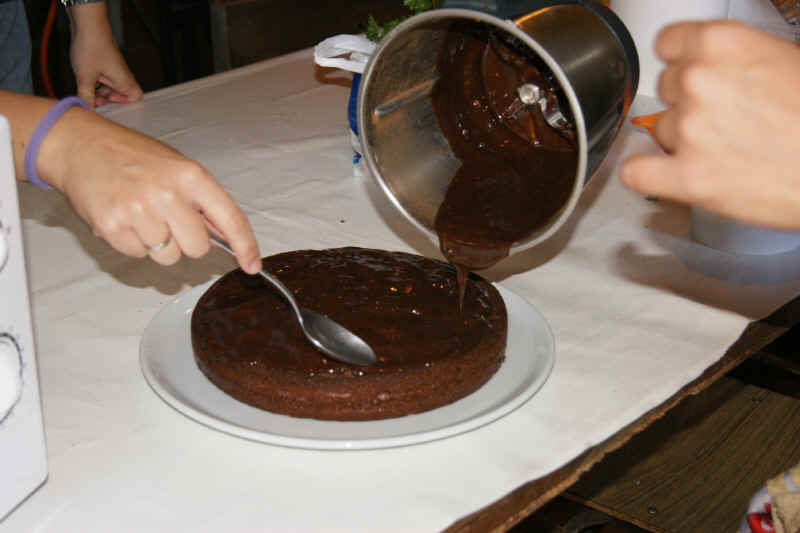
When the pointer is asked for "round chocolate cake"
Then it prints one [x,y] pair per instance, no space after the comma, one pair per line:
[406,307]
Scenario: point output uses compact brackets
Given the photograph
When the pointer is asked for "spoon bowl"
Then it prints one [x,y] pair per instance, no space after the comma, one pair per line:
[327,335]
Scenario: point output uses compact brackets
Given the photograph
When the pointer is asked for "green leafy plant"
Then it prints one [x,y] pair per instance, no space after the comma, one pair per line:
[376,32]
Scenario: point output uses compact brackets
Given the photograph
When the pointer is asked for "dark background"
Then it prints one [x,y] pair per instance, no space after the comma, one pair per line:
[170,41]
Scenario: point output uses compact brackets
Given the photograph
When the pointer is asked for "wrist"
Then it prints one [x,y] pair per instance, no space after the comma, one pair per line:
[51,145]
[72,3]
[88,16]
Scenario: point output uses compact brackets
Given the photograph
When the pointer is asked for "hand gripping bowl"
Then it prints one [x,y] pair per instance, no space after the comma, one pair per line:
[586,47]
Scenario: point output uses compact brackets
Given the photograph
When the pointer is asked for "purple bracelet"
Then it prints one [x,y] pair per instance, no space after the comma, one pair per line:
[39,134]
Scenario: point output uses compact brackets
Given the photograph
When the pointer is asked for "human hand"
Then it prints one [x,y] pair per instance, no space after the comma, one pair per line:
[732,133]
[101,73]
[136,192]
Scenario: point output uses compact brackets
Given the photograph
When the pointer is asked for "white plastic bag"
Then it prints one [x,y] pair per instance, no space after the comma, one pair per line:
[351,53]
[347,52]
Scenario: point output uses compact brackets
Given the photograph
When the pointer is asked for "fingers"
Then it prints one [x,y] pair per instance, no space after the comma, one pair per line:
[225,218]
[171,226]
[188,229]
[164,249]
[677,40]
[86,90]
[121,94]
[124,94]
[117,86]
[665,130]
[166,252]
[653,175]
[669,83]
[669,132]
[692,39]
[123,86]
[125,241]
[685,179]
[698,53]
[136,193]
[95,93]
[691,53]
[102,91]
[138,231]
[137,242]
[237,232]
[174,222]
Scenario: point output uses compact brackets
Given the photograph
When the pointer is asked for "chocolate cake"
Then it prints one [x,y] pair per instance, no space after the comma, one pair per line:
[248,343]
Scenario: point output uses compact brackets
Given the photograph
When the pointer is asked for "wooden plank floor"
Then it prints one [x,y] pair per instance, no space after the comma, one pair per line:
[564,516]
[696,469]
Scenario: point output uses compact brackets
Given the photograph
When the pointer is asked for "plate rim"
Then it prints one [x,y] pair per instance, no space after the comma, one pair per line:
[446,430]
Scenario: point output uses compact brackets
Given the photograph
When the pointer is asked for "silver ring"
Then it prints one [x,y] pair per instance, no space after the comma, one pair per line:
[160,246]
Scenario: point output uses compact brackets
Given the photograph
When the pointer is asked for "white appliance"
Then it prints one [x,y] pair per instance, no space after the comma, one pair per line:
[23,462]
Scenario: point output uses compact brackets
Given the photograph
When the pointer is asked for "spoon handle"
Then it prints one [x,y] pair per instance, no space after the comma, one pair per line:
[283,289]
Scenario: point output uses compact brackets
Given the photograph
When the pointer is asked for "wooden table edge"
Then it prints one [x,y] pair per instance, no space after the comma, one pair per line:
[506,512]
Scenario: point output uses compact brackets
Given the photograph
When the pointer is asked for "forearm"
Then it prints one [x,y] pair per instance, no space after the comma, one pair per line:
[23,113]
[101,72]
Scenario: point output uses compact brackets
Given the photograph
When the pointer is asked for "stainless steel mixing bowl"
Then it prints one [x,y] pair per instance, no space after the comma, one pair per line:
[587,48]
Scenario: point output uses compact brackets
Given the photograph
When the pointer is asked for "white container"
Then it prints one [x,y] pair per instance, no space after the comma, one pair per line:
[726,234]
[645,18]
[23,461]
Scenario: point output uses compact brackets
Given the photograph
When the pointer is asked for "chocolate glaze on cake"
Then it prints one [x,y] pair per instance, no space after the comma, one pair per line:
[516,171]
[247,341]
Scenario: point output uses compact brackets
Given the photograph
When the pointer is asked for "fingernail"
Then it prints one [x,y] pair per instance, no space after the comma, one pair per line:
[255,266]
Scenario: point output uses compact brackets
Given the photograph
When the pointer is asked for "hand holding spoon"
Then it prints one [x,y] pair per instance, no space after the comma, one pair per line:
[325,334]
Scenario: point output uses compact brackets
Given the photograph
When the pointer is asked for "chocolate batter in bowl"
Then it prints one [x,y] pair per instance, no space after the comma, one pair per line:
[517,171]
[446,138]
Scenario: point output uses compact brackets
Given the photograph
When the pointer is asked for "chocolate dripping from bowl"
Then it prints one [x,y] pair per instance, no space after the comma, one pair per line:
[515,170]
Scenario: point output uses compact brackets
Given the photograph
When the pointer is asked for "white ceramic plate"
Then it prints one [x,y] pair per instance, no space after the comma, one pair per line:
[168,364]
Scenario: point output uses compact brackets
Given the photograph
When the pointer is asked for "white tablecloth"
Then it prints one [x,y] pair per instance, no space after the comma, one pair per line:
[637,311]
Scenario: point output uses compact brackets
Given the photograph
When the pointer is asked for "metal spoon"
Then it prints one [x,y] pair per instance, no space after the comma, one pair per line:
[325,334]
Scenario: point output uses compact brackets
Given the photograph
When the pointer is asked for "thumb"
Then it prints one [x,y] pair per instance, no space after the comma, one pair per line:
[86,89]
[653,175]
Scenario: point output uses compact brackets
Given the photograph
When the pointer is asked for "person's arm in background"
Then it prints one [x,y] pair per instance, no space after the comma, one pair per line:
[732,132]
[101,73]
[133,191]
